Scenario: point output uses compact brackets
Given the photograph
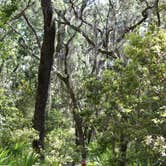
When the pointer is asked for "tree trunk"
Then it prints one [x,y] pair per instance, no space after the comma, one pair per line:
[45,66]
[123,151]
[80,140]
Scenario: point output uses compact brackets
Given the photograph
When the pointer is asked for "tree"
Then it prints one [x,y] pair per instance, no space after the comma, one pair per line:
[130,98]
[46,62]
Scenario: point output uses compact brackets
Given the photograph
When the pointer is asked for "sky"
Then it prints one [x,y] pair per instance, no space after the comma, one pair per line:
[101,1]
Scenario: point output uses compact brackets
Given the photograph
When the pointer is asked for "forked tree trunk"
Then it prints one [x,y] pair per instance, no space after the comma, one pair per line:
[45,66]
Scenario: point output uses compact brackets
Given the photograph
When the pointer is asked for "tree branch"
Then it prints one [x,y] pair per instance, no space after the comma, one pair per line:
[23,11]
[78,29]
[131,28]
[33,30]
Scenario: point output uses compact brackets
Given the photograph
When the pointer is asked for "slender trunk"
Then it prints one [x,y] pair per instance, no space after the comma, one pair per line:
[80,139]
[45,66]
[79,133]
[123,151]
[157,13]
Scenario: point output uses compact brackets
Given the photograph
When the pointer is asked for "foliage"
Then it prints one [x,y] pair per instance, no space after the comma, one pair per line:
[130,99]
[7,158]
[111,58]
[7,8]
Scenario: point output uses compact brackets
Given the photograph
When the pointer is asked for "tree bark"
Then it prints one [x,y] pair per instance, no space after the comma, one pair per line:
[123,150]
[44,72]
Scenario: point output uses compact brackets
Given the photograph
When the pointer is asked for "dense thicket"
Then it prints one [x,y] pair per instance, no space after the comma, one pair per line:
[82,82]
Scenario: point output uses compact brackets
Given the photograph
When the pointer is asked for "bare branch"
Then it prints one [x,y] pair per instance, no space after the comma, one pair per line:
[83,6]
[157,13]
[25,46]
[131,28]
[23,11]
[33,30]
[73,7]
[89,40]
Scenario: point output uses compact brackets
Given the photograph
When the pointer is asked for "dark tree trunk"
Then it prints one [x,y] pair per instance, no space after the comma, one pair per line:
[123,151]
[45,66]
